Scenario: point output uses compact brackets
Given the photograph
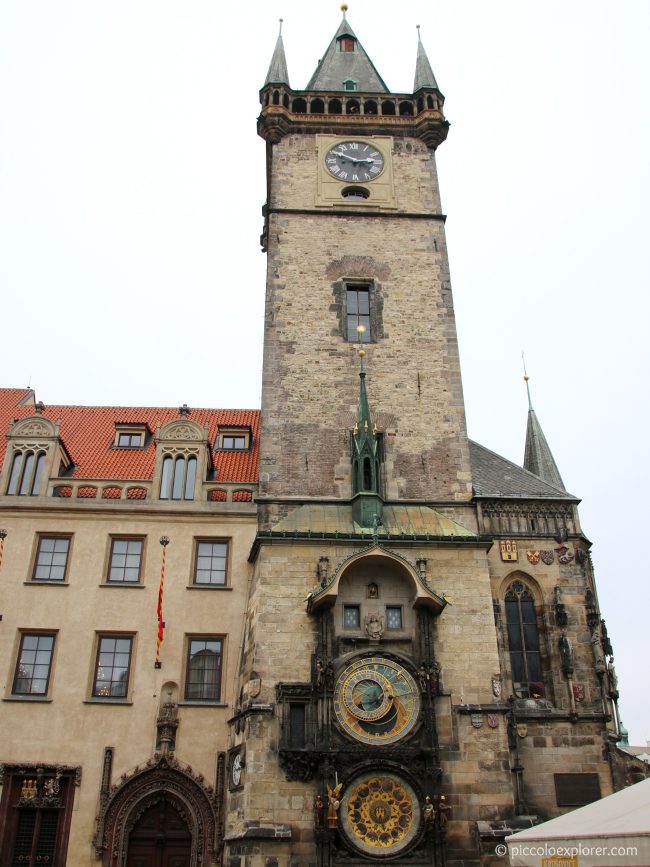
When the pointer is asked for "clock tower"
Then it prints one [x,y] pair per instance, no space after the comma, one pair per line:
[371,659]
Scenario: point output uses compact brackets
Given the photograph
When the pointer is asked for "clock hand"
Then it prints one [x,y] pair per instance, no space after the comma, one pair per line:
[352,159]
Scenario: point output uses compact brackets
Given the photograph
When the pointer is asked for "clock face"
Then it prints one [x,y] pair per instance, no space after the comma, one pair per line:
[376,701]
[354,161]
[235,770]
[380,814]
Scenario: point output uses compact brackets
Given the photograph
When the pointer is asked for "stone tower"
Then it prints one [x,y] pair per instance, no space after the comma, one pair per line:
[359,731]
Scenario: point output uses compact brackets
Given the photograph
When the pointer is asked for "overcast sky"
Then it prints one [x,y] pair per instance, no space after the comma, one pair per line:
[131,187]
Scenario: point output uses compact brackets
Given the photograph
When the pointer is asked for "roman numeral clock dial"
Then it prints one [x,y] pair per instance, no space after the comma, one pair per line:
[354,161]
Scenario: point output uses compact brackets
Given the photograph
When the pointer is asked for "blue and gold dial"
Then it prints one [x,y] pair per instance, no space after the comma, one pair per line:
[376,701]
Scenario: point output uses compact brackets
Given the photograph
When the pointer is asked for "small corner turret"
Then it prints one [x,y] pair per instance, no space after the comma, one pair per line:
[538,458]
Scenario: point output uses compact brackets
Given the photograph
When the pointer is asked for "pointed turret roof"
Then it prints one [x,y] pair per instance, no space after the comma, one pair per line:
[424,76]
[365,438]
[338,66]
[538,458]
[278,72]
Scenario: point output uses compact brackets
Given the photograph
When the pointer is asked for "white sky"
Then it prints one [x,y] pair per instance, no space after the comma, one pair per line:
[131,187]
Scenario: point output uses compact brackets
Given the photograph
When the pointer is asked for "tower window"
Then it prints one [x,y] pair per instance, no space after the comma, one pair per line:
[523,641]
[349,84]
[351,616]
[394,616]
[346,43]
[358,314]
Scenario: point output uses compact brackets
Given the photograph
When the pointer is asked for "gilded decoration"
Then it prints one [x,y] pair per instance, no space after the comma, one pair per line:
[380,814]
[376,701]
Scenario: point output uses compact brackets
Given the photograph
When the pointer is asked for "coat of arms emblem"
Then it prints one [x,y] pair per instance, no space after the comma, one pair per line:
[477,720]
[563,554]
[533,557]
[508,549]
[579,691]
[492,720]
[496,686]
[547,557]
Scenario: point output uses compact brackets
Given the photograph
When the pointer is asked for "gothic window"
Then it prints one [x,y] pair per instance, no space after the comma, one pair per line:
[203,672]
[125,561]
[357,301]
[178,477]
[35,815]
[523,641]
[211,563]
[112,666]
[32,675]
[26,474]
[51,558]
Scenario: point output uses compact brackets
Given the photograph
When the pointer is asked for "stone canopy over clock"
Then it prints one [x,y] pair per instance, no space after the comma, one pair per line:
[355,172]
[376,701]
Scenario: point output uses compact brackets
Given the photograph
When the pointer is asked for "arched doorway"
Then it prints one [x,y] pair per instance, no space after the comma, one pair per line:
[160,837]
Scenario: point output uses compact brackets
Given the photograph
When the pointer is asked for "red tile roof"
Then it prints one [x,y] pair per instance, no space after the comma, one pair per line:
[88,433]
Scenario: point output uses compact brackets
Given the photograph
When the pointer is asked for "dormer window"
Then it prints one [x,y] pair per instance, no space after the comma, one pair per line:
[349,84]
[26,473]
[234,439]
[346,43]
[130,436]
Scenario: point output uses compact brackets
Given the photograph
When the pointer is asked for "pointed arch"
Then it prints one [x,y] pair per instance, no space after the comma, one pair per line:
[162,778]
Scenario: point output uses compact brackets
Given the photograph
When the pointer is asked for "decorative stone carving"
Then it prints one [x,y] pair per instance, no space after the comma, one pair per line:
[32,427]
[374,624]
[183,429]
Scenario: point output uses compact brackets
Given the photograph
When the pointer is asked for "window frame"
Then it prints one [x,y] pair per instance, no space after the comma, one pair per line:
[211,585]
[134,430]
[33,633]
[169,479]
[206,638]
[234,432]
[522,688]
[352,607]
[368,335]
[40,538]
[111,550]
[400,609]
[19,473]
[95,695]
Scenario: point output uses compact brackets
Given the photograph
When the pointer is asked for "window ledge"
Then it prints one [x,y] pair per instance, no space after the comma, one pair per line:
[107,701]
[28,698]
[202,704]
[42,583]
[208,587]
[133,585]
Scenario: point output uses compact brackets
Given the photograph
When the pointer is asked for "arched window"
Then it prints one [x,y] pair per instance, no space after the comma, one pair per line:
[523,642]
[177,478]
[26,474]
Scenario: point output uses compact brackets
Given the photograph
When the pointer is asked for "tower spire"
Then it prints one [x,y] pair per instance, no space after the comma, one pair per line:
[278,72]
[424,76]
[345,65]
[538,458]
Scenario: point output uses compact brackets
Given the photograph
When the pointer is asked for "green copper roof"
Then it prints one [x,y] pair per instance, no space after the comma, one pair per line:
[397,520]
[338,66]
[424,76]
[278,72]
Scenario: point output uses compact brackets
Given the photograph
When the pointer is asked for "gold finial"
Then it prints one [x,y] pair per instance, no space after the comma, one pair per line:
[280,20]
[344,8]
[361,353]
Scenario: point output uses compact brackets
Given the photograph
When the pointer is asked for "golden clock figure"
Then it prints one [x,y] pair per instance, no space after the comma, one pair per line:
[376,701]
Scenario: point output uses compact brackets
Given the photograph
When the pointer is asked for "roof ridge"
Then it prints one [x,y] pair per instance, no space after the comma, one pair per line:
[563,493]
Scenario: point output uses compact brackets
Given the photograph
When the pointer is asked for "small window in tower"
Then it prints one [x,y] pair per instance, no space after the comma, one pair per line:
[349,84]
[351,616]
[394,616]
[358,314]
[355,194]
[346,43]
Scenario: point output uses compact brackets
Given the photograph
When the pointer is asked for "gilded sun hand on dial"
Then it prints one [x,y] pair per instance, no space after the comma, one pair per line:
[376,701]
[354,161]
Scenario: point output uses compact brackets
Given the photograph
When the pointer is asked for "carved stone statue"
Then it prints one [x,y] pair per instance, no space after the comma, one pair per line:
[374,625]
[613,679]
[319,812]
[597,650]
[333,804]
[428,813]
[566,653]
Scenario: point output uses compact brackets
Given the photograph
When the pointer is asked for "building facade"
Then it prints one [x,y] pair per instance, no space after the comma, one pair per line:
[355,635]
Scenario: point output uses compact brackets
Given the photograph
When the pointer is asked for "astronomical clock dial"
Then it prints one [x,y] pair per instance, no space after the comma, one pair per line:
[236,768]
[380,814]
[354,161]
[376,701]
